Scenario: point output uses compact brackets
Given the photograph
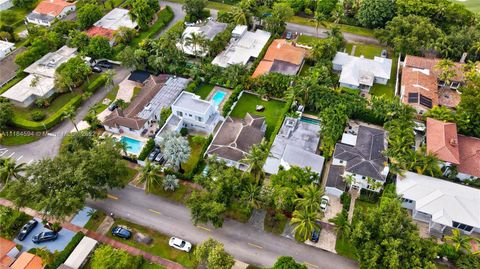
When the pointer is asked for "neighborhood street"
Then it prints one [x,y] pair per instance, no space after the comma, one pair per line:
[246,243]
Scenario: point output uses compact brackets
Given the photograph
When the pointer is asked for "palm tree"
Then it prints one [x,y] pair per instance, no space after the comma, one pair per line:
[9,169]
[318,19]
[251,195]
[305,222]
[426,163]
[256,158]
[109,75]
[70,114]
[310,197]
[447,71]
[459,240]
[150,176]
[195,40]
[176,149]
[240,16]
[349,179]
[170,182]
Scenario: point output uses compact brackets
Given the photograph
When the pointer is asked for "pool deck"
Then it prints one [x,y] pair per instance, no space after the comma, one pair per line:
[225,98]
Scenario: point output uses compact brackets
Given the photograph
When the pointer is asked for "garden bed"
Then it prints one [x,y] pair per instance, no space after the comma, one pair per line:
[95,220]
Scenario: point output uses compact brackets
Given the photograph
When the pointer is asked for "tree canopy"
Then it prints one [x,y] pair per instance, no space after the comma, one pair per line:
[88,14]
[211,254]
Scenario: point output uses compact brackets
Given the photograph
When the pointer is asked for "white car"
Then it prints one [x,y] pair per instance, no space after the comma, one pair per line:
[180,244]
[189,24]
[324,203]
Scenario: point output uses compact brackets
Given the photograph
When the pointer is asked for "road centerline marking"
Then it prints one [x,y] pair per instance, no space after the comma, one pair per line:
[112,197]
[154,211]
[253,245]
[204,228]
[312,265]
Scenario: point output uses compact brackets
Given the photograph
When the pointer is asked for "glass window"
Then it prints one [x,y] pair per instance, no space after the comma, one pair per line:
[180,113]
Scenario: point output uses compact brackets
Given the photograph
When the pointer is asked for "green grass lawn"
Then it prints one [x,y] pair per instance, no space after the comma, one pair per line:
[473,5]
[159,247]
[369,51]
[111,95]
[149,265]
[180,195]
[196,146]
[248,102]
[204,90]
[54,106]
[18,140]
[345,248]
[95,220]
[307,40]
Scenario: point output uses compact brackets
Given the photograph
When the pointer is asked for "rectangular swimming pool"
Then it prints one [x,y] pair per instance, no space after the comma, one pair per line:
[218,97]
[310,120]
[133,146]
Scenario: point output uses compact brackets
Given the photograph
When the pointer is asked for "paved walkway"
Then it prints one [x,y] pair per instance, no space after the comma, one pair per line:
[258,218]
[103,239]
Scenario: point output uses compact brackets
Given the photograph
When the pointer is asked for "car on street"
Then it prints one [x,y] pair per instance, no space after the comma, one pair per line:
[97,69]
[26,229]
[113,106]
[121,232]
[324,203]
[44,237]
[315,235]
[180,244]
[288,36]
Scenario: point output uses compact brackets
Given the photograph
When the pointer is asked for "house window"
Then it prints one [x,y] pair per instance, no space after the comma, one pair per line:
[425,101]
[180,113]
[190,115]
[198,118]
[413,97]
[462,226]
[363,177]
[455,85]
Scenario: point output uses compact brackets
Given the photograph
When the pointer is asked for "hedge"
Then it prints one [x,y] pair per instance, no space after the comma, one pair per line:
[62,256]
[231,100]
[96,84]
[164,17]
[149,146]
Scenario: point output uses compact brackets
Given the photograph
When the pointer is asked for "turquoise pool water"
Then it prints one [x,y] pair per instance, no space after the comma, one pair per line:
[310,120]
[133,146]
[218,97]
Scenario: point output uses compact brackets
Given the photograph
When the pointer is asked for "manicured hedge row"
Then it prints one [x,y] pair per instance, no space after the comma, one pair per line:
[96,84]
[231,100]
[146,149]
[63,255]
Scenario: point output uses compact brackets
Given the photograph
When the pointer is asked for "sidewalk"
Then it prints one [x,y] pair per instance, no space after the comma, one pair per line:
[102,238]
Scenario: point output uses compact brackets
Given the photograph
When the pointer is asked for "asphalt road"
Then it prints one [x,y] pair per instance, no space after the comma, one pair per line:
[246,243]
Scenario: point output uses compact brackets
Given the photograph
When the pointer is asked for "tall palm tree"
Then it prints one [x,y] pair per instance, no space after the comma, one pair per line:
[176,149]
[70,114]
[459,240]
[256,158]
[9,169]
[240,16]
[251,195]
[150,175]
[305,222]
[310,197]
[195,40]
[109,75]
[319,20]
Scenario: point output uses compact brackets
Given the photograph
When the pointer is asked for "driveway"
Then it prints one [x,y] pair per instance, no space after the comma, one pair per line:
[245,242]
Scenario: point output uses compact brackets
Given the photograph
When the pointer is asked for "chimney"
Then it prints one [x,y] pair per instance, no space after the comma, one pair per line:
[464,57]
[453,142]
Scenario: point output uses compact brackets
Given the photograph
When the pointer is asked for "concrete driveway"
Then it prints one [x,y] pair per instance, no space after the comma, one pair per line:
[334,207]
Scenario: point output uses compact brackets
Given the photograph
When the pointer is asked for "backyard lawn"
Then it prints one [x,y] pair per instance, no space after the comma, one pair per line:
[204,90]
[56,105]
[196,146]
[248,102]
[159,246]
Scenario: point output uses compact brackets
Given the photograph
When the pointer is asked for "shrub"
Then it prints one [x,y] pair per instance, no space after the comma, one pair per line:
[63,255]
[231,100]
[345,199]
[96,84]
[37,115]
[448,251]
[149,146]
[42,102]
[191,87]
[11,221]
[184,131]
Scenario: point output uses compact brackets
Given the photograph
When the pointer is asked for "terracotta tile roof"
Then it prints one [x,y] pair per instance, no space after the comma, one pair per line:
[99,31]
[469,155]
[280,50]
[5,247]
[27,261]
[430,63]
[52,7]
[442,140]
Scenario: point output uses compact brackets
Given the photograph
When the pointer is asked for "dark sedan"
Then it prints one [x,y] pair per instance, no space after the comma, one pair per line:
[44,237]
[121,232]
[26,229]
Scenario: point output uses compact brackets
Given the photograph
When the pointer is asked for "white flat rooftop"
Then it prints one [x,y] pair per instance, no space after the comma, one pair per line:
[191,102]
[24,89]
[47,65]
[116,18]
[6,46]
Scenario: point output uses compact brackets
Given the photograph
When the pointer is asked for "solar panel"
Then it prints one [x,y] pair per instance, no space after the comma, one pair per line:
[413,97]
[425,101]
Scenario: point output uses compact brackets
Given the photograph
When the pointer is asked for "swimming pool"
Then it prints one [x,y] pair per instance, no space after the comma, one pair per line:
[310,120]
[133,146]
[218,97]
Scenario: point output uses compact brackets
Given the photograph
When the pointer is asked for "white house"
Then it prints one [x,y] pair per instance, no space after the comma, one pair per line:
[5,48]
[208,31]
[80,254]
[116,18]
[48,10]
[360,72]
[5,4]
[359,156]
[245,46]
[442,204]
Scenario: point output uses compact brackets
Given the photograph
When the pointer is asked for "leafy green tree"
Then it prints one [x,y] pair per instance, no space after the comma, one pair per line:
[99,47]
[170,183]
[10,170]
[88,14]
[143,11]
[8,17]
[205,209]
[334,120]
[64,27]
[78,39]
[285,262]
[6,113]
[468,261]
[212,254]
[281,13]
[82,140]
[440,113]
[23,3]
[256,158]
[375,13]
[176,149]
[107,257]
[124,35]
[72,73]
[326,7]
[194,8]
[150,175]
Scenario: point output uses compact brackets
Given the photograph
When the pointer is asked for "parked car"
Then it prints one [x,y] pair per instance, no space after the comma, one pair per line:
[180,244]
[324,203]
[153,154]
[159,158]
[288,36]
[121,232]
[113,106]
[26,229]
[97,69]
[44,237]
[384,54]
[315,235]
[105,64]
[189,24]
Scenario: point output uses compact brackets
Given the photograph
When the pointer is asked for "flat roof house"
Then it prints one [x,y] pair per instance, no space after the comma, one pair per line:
[453,149]
[8,67]
[360,72]
[80,254]
[5,48]
[48,10]
[421,87]
[235,138]
[245,47]
[40,81]
[193,113]
[442,204]
[281,57]
[158,92]
[208,31]
[116,18]
[296,144]
[360,156]
[5,4]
